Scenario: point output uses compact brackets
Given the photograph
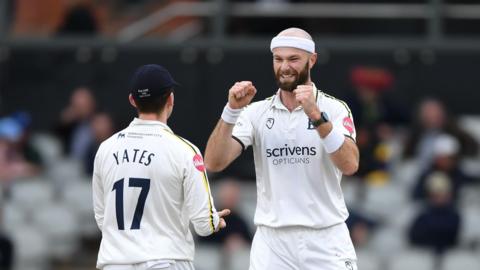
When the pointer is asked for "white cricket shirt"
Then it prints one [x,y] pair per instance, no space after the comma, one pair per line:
[148,185]
[297,183]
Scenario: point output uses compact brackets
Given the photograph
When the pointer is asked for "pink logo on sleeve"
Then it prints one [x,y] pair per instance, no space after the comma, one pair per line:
[198,162]
[348,124]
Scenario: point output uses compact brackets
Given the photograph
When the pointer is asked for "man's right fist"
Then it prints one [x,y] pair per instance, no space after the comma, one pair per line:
[241,94]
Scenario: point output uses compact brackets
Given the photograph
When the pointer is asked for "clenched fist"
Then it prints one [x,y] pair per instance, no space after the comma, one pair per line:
[305,96]
[241,94]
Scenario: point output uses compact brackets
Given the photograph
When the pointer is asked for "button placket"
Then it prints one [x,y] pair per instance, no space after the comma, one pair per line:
[291,126]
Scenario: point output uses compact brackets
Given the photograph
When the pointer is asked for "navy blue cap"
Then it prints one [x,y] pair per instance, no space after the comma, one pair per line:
[151,81]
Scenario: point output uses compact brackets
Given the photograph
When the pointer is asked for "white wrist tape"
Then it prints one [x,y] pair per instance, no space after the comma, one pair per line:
[333,140]
[230,115]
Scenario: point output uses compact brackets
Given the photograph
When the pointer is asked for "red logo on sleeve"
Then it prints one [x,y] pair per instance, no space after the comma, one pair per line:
[198,162]
[348,124]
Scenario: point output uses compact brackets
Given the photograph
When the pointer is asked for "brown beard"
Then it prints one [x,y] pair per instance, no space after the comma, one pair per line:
[301,78]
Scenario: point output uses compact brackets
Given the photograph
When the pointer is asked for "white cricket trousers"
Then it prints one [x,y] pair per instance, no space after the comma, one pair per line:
[178,265]
[301,248]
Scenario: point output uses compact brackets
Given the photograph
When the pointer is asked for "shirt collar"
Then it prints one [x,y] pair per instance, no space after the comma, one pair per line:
[277,101]
[140,122]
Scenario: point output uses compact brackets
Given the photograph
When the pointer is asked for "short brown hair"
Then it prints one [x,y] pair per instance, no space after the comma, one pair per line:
[152,105]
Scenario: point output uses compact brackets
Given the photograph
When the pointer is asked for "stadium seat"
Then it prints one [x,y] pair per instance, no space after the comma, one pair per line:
[384,201]
[350,188]
[413,259]
[78,198]
[404,216]
[240,260]
[14,217]
[33,193]
[469,195]
[246,209]
[65,172]
[248,203]
[470,232]
[471,124]
[368,260]
[48,146]
[208,257]
[61,227]
[387,242]
[470,166]
[406,173]
[249,190]
[31,250]
[456,260]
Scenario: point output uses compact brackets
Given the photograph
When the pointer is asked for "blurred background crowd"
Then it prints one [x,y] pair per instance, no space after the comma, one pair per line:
[407,69]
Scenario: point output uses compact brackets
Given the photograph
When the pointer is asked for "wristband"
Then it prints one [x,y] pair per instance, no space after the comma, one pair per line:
[333,140]
[230,115]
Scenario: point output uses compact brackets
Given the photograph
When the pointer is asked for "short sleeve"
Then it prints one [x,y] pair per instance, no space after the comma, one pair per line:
[198,198]
[98,192]
[344,120]
[243,130]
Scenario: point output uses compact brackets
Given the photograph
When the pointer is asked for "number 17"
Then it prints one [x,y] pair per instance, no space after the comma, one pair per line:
[142,183]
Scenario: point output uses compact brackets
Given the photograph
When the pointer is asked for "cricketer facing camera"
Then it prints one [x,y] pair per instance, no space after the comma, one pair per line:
[149,184]
[303,141]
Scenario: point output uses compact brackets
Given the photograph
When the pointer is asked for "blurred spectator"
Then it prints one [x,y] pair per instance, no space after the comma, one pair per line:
[79,20]
[236,235]
[18,158]
[371,103]
[102,128]
[375,114]
[360,228]
[431,121]
[438,225]
[445,160]
[6,248]
[24,144]
[6,253]
[74,127]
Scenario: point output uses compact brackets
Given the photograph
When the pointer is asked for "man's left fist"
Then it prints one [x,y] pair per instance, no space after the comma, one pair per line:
[305,96]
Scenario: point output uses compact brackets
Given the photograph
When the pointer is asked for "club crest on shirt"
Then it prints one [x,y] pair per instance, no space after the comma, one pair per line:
[198,162]
[348,124]
[270,122]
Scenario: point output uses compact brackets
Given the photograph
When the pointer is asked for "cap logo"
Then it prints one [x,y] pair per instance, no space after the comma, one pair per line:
[143,93]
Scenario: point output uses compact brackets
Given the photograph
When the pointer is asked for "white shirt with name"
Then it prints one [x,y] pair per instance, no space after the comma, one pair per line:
[148,186]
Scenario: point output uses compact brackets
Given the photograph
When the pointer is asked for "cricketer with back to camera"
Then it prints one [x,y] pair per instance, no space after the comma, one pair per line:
[149,184]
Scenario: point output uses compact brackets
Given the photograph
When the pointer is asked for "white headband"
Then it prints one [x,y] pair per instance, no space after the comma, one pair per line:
[293,42]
